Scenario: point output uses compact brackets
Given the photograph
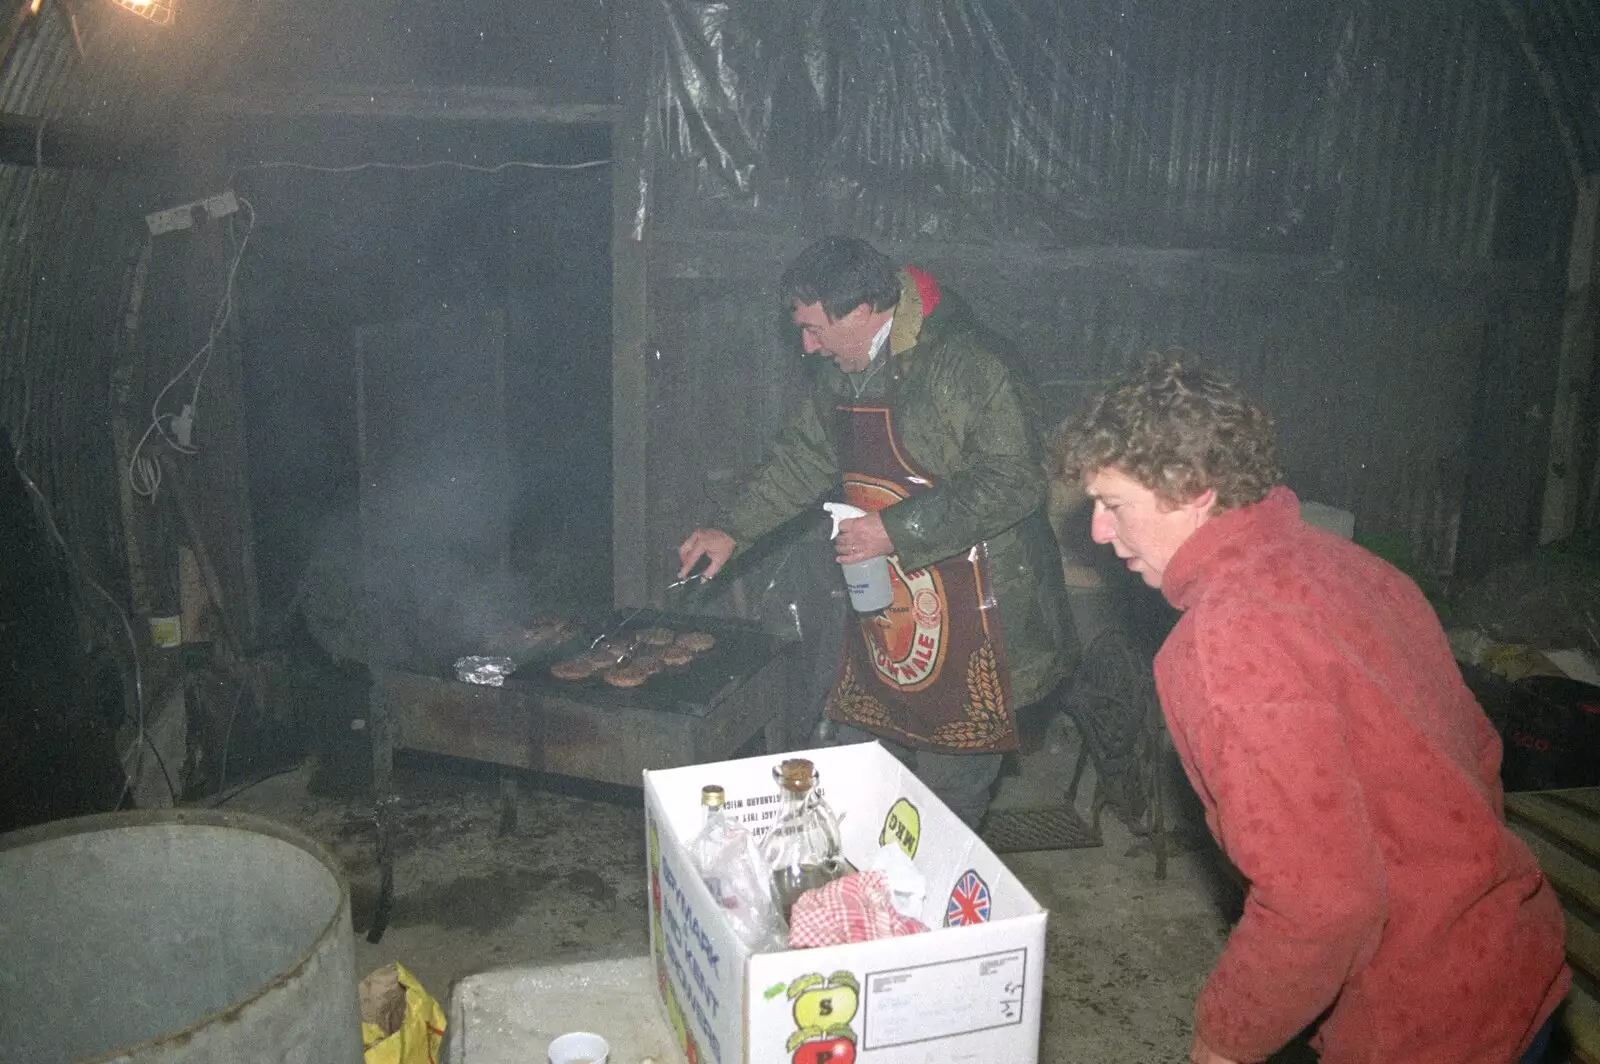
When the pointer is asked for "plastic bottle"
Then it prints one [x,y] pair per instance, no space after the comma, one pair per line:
[867,581]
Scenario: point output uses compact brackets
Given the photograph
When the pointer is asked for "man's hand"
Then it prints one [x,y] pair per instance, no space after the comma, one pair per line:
[712,543]
[1200,1053]
[861,538]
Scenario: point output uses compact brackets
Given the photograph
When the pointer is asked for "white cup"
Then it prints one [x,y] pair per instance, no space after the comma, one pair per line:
[579,1047]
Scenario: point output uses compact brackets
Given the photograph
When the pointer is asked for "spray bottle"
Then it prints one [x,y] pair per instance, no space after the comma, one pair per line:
[867,581]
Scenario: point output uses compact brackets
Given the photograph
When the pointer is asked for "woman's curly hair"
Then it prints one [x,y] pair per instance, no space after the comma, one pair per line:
[1178,430]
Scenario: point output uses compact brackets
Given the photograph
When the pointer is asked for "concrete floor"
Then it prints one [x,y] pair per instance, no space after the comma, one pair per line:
[1127,951]
[1126,954]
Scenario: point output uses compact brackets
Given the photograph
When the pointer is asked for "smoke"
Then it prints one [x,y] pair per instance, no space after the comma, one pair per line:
[430,366]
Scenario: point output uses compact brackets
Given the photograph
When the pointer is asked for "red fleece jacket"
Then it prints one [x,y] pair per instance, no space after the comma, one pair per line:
[1350,775]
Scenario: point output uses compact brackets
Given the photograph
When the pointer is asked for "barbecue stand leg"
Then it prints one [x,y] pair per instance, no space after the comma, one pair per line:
[508,805]
[384,801]
[1158,793]
[385,903]
[1159,831]
[1077,771]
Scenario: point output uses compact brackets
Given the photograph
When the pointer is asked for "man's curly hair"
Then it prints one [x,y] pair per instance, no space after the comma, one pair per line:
[1178,430]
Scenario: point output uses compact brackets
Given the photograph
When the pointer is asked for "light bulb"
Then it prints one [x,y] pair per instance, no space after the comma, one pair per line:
[157,11]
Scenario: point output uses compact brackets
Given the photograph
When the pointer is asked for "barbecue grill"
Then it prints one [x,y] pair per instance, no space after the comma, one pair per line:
[713,709]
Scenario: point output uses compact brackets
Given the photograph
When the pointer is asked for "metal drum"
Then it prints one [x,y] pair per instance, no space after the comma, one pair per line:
[174,936]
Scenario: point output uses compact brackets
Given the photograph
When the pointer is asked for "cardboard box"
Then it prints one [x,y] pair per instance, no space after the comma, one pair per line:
[968,990]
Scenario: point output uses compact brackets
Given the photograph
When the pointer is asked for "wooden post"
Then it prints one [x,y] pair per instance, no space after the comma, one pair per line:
[123,440]
[631,181]
[1565,481]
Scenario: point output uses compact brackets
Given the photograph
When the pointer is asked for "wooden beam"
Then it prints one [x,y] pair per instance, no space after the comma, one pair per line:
[28,140]
[181,494]
[123,435]
[1569,825]
[632,180]
[445,103]
[1579,797]
[703,254]
[1582,1021]
[1565,482]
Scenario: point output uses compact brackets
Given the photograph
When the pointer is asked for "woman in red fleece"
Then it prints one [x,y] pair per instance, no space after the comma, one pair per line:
[1344,766]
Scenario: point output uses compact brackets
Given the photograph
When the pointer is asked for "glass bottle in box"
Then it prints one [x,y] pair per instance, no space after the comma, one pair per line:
[707,847]
[802,848]
[729,862]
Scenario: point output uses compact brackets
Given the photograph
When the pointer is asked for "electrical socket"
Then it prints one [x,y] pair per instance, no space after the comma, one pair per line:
[168,220]
[221,205]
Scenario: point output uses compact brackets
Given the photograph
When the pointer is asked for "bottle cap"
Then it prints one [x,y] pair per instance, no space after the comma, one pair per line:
[796,774]
[712,796]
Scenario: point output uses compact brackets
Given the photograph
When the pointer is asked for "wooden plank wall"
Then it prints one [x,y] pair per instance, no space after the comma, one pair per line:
[1400,390]
[188,275]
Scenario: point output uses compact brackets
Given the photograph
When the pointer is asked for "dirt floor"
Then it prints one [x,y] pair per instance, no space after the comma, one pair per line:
[1127,951]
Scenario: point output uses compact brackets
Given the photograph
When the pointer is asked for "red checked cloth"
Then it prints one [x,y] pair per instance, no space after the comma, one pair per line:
[854,908]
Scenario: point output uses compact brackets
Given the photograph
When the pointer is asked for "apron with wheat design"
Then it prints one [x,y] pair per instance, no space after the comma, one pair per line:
[928,671]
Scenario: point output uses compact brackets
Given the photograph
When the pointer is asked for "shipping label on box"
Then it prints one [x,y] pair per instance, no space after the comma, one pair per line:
[970,989]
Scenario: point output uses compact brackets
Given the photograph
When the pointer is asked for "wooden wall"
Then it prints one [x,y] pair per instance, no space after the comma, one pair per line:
[1415,396]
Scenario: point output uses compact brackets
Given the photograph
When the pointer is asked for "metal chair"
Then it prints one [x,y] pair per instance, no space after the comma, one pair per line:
[1112,702]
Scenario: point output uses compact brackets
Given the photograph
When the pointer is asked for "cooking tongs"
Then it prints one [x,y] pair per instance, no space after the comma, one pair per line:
[693,578]
[696,578]
[678,589]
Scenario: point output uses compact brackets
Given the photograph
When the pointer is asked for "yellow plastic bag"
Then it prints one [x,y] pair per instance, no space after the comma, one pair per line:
[1516,661]
[400,1021]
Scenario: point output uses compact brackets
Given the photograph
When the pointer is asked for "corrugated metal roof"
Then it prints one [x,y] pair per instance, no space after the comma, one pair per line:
[1353,127]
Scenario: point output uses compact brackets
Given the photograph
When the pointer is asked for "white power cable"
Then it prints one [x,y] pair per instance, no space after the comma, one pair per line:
[431,165]
[144,473]
[140,738]
[176,430]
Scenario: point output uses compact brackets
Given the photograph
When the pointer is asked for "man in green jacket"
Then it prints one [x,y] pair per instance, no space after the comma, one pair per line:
[927,423]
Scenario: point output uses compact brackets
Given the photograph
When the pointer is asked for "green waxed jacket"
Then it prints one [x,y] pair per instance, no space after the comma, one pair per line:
[966,416]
